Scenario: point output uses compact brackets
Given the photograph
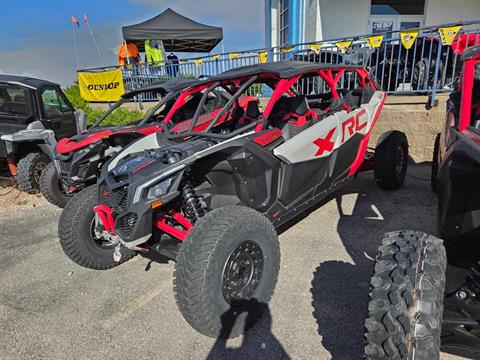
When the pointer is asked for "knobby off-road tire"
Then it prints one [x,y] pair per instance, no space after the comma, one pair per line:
[406,298]
[436,149]
[204,269]
[391,161]
[51,187]
[75,230]
[29,170]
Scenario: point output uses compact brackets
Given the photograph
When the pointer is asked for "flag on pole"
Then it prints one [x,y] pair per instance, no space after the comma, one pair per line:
[408,38]
[75,21]
[374,41]
[343,45]
[86,20]
[448,34]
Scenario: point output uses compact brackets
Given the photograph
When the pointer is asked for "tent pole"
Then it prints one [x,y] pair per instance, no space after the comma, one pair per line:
[126,51]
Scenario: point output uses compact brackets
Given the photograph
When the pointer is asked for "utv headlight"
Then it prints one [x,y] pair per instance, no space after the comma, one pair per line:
[160,189]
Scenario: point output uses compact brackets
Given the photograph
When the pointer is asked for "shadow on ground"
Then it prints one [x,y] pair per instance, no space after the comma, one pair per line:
[257,343]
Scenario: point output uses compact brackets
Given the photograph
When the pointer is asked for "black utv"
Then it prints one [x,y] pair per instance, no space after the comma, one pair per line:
[31,104]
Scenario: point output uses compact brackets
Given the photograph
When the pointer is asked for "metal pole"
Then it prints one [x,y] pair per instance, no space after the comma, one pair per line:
[435,75]
[95,42]
[75,44]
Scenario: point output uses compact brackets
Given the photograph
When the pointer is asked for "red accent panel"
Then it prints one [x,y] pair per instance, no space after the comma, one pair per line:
[12,167]
[144,165]
[467,89]
[172,231]
[268,137]
[104,212]
[364,142]
[182,220]
[325,144]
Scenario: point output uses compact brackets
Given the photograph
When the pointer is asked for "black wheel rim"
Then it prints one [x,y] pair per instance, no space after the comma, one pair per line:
[400,163]
[242,273]
[98,241]
[37,171]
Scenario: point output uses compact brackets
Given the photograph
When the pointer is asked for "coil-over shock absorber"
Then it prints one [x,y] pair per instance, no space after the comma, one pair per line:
[192,206]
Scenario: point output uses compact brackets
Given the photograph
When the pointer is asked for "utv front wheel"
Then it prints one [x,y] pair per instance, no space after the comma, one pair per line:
[29,170]
[406,298]
[51,187]
[226,271]
[391,161]
[77,237]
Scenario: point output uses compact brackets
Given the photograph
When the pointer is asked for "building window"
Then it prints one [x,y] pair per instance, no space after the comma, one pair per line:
[284,22]
[397,7]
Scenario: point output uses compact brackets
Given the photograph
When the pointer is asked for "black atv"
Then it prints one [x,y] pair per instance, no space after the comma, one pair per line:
[30,105]
[407,290]
[213,199]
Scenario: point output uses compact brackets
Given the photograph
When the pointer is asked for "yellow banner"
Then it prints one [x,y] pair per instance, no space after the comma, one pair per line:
[408,38]
[374,41]
[343,45]
[101,86]
[288,49]
[315,48]
[234,55]
[214,57]
[448,34]
[263,57]
[198,62]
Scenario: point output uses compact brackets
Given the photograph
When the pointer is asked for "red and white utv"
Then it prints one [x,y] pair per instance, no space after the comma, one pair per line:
[213,199]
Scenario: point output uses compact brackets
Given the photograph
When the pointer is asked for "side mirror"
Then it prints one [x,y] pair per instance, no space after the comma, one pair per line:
[81,121]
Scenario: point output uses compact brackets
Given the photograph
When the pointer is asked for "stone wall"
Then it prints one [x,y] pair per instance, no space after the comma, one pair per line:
[408,114]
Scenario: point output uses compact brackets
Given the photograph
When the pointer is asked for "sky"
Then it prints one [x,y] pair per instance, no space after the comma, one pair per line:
[36,35]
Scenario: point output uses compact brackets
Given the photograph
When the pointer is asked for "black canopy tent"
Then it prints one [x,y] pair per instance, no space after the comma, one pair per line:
[178,33]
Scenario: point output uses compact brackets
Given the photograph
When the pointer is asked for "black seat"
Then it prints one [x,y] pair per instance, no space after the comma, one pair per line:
[252,112]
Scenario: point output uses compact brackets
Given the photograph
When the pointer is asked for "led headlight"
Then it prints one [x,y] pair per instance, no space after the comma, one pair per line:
[160,189]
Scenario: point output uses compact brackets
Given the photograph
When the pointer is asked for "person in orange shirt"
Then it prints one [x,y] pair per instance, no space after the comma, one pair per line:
[128,54]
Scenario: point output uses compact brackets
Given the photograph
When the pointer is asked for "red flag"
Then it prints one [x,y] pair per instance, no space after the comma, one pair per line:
[75,21]
[85,19]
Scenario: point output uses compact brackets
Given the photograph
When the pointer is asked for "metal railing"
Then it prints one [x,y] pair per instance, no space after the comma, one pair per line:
[426,68]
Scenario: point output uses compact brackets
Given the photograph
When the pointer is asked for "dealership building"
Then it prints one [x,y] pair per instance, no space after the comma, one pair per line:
[296,21]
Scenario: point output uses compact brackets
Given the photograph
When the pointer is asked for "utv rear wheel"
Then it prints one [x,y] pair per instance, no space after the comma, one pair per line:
[29,170]
[391,161]
[436,149]
[406,298]
[77,237]
[51,187]
[226,271]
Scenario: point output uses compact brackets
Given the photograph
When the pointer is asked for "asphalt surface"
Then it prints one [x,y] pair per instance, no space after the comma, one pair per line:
[50,308]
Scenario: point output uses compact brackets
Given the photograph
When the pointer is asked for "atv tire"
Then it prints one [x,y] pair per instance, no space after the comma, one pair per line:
[211,289]
[29,170]
[406,298]
[51,187]
[391,161]
[75,230]
[436,149]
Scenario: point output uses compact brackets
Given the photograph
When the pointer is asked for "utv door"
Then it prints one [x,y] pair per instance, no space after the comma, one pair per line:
[58,112]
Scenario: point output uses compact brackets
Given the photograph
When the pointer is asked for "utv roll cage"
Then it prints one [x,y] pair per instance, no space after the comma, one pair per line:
[280,76]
